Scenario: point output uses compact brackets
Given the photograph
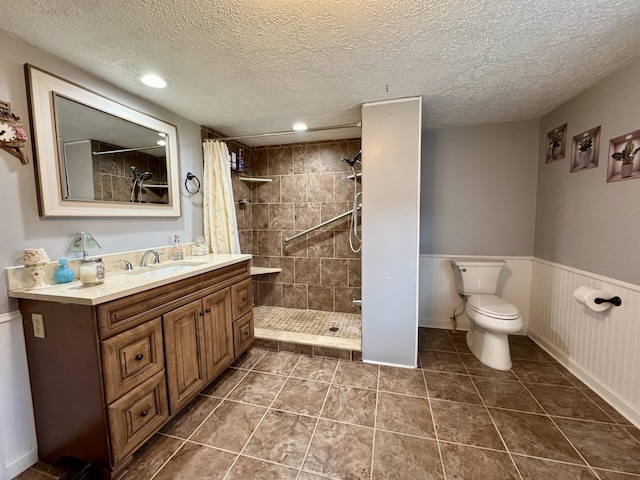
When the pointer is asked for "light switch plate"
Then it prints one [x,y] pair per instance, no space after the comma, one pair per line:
[37,319]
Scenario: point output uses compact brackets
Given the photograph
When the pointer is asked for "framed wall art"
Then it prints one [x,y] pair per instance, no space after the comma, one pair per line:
[586,149]
[556,143]
[624,162]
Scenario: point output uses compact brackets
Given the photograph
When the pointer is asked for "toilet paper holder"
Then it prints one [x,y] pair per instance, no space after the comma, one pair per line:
[617,301]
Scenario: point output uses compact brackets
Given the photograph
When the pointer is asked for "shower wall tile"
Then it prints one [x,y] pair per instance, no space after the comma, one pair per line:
[281,216]
[329,210]
[343,250]
[321,245]
[320,188]
[307,271]
[260,215]
[260,261]
[343,297]
[280,161]
[294,295]
[330,156]
[297,247]
[259,165]
[269,242]
[334,272]
[293,188]
[355,273]
[307,215]
[270,294]
[310,185]
[268,192]
[320,298]
[287,264]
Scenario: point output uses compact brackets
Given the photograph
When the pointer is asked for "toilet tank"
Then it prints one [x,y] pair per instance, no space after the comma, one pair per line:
[476,276]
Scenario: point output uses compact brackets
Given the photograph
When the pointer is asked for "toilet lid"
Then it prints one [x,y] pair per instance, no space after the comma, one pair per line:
[493,306]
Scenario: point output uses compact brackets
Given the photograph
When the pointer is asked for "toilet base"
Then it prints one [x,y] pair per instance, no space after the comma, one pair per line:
[490,348]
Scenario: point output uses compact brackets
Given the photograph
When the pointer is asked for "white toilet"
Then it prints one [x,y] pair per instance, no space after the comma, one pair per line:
[492,318]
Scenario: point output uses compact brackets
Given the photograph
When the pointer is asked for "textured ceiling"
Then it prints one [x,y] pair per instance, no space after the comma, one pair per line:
[253,66]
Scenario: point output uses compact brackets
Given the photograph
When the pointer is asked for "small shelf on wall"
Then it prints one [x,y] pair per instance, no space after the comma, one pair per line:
[264,270]
[256,179]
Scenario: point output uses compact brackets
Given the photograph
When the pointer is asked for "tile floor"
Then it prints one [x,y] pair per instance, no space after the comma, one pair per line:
[283,415]
[311,322]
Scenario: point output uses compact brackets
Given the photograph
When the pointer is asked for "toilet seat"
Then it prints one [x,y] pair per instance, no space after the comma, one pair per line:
[492,306]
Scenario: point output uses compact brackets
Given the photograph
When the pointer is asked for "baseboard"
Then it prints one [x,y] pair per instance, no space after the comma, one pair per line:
[444,324]
[18,465]
[624,408]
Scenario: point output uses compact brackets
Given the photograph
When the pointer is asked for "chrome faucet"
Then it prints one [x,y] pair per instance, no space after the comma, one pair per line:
[127,264]
[156,257]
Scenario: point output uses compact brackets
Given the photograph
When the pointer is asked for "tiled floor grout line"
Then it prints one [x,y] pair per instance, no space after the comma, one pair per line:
[375,421]
[435,427]
[188,439]
[493,422]
[504,443]
[315,428]
[556,425]
[265,413]
[201,423]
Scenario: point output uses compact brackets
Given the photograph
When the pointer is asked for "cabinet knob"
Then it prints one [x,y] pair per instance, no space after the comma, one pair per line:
[243,298]
[202,314]
[208,310]
[144,413]
[139,356]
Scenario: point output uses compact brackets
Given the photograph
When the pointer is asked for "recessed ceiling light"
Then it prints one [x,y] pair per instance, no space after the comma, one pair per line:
[153,81]
[162,134]
[162,143]
[300,127]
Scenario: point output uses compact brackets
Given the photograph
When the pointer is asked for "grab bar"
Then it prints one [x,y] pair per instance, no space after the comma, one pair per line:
[308,230]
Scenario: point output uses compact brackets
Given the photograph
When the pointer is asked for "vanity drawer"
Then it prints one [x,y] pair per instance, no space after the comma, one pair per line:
[132,357]
[241,302]
[136,416]
[243,337]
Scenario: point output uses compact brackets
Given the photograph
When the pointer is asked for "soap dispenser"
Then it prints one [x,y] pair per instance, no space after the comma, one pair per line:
[176,251]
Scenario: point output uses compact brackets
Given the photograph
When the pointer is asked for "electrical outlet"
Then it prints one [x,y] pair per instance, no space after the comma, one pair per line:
[37,319]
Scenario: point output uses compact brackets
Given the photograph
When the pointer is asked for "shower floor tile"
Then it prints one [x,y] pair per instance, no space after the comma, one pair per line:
[309,327]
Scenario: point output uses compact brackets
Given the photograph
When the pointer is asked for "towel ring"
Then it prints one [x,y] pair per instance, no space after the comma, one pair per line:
[191,176]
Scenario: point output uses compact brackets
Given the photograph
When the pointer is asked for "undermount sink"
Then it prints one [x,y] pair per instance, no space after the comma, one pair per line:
[162,270]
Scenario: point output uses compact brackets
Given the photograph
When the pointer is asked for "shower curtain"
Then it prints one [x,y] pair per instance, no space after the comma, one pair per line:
[220,226]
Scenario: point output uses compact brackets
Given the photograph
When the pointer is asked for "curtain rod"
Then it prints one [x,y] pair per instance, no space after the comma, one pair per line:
[290,132]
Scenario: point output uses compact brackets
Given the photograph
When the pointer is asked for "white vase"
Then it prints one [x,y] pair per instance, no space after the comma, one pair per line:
[626,170]
[584,158]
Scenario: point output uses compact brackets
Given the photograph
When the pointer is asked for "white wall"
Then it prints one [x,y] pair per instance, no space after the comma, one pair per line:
[600,348]
[18,435]
[390,230]
[438,295]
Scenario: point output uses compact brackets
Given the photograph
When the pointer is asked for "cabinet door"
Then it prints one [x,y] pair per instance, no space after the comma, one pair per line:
[184,347]
[218,332]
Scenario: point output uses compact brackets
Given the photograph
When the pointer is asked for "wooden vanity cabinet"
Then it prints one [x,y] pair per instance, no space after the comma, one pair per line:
[105,378]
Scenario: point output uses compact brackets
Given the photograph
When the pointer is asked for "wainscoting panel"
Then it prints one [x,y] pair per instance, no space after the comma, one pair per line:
[600,348]
[18,434]
[438,296]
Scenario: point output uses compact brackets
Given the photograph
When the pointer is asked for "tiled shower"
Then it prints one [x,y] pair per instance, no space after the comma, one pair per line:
[309,186]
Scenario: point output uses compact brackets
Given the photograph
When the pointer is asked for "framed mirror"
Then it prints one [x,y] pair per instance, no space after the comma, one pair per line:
[95,157]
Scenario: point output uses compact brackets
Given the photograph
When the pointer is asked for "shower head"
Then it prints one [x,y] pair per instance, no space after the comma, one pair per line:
[351,162]
[145,176]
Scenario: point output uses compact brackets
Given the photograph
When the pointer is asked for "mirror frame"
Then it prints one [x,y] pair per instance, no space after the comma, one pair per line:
[41,86]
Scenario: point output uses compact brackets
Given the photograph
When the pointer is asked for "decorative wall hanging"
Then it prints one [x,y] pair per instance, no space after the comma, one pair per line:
[623,157]
[12,136]
[556,143]
[586,149]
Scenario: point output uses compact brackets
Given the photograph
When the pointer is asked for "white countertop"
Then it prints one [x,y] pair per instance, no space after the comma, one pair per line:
[121,283]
